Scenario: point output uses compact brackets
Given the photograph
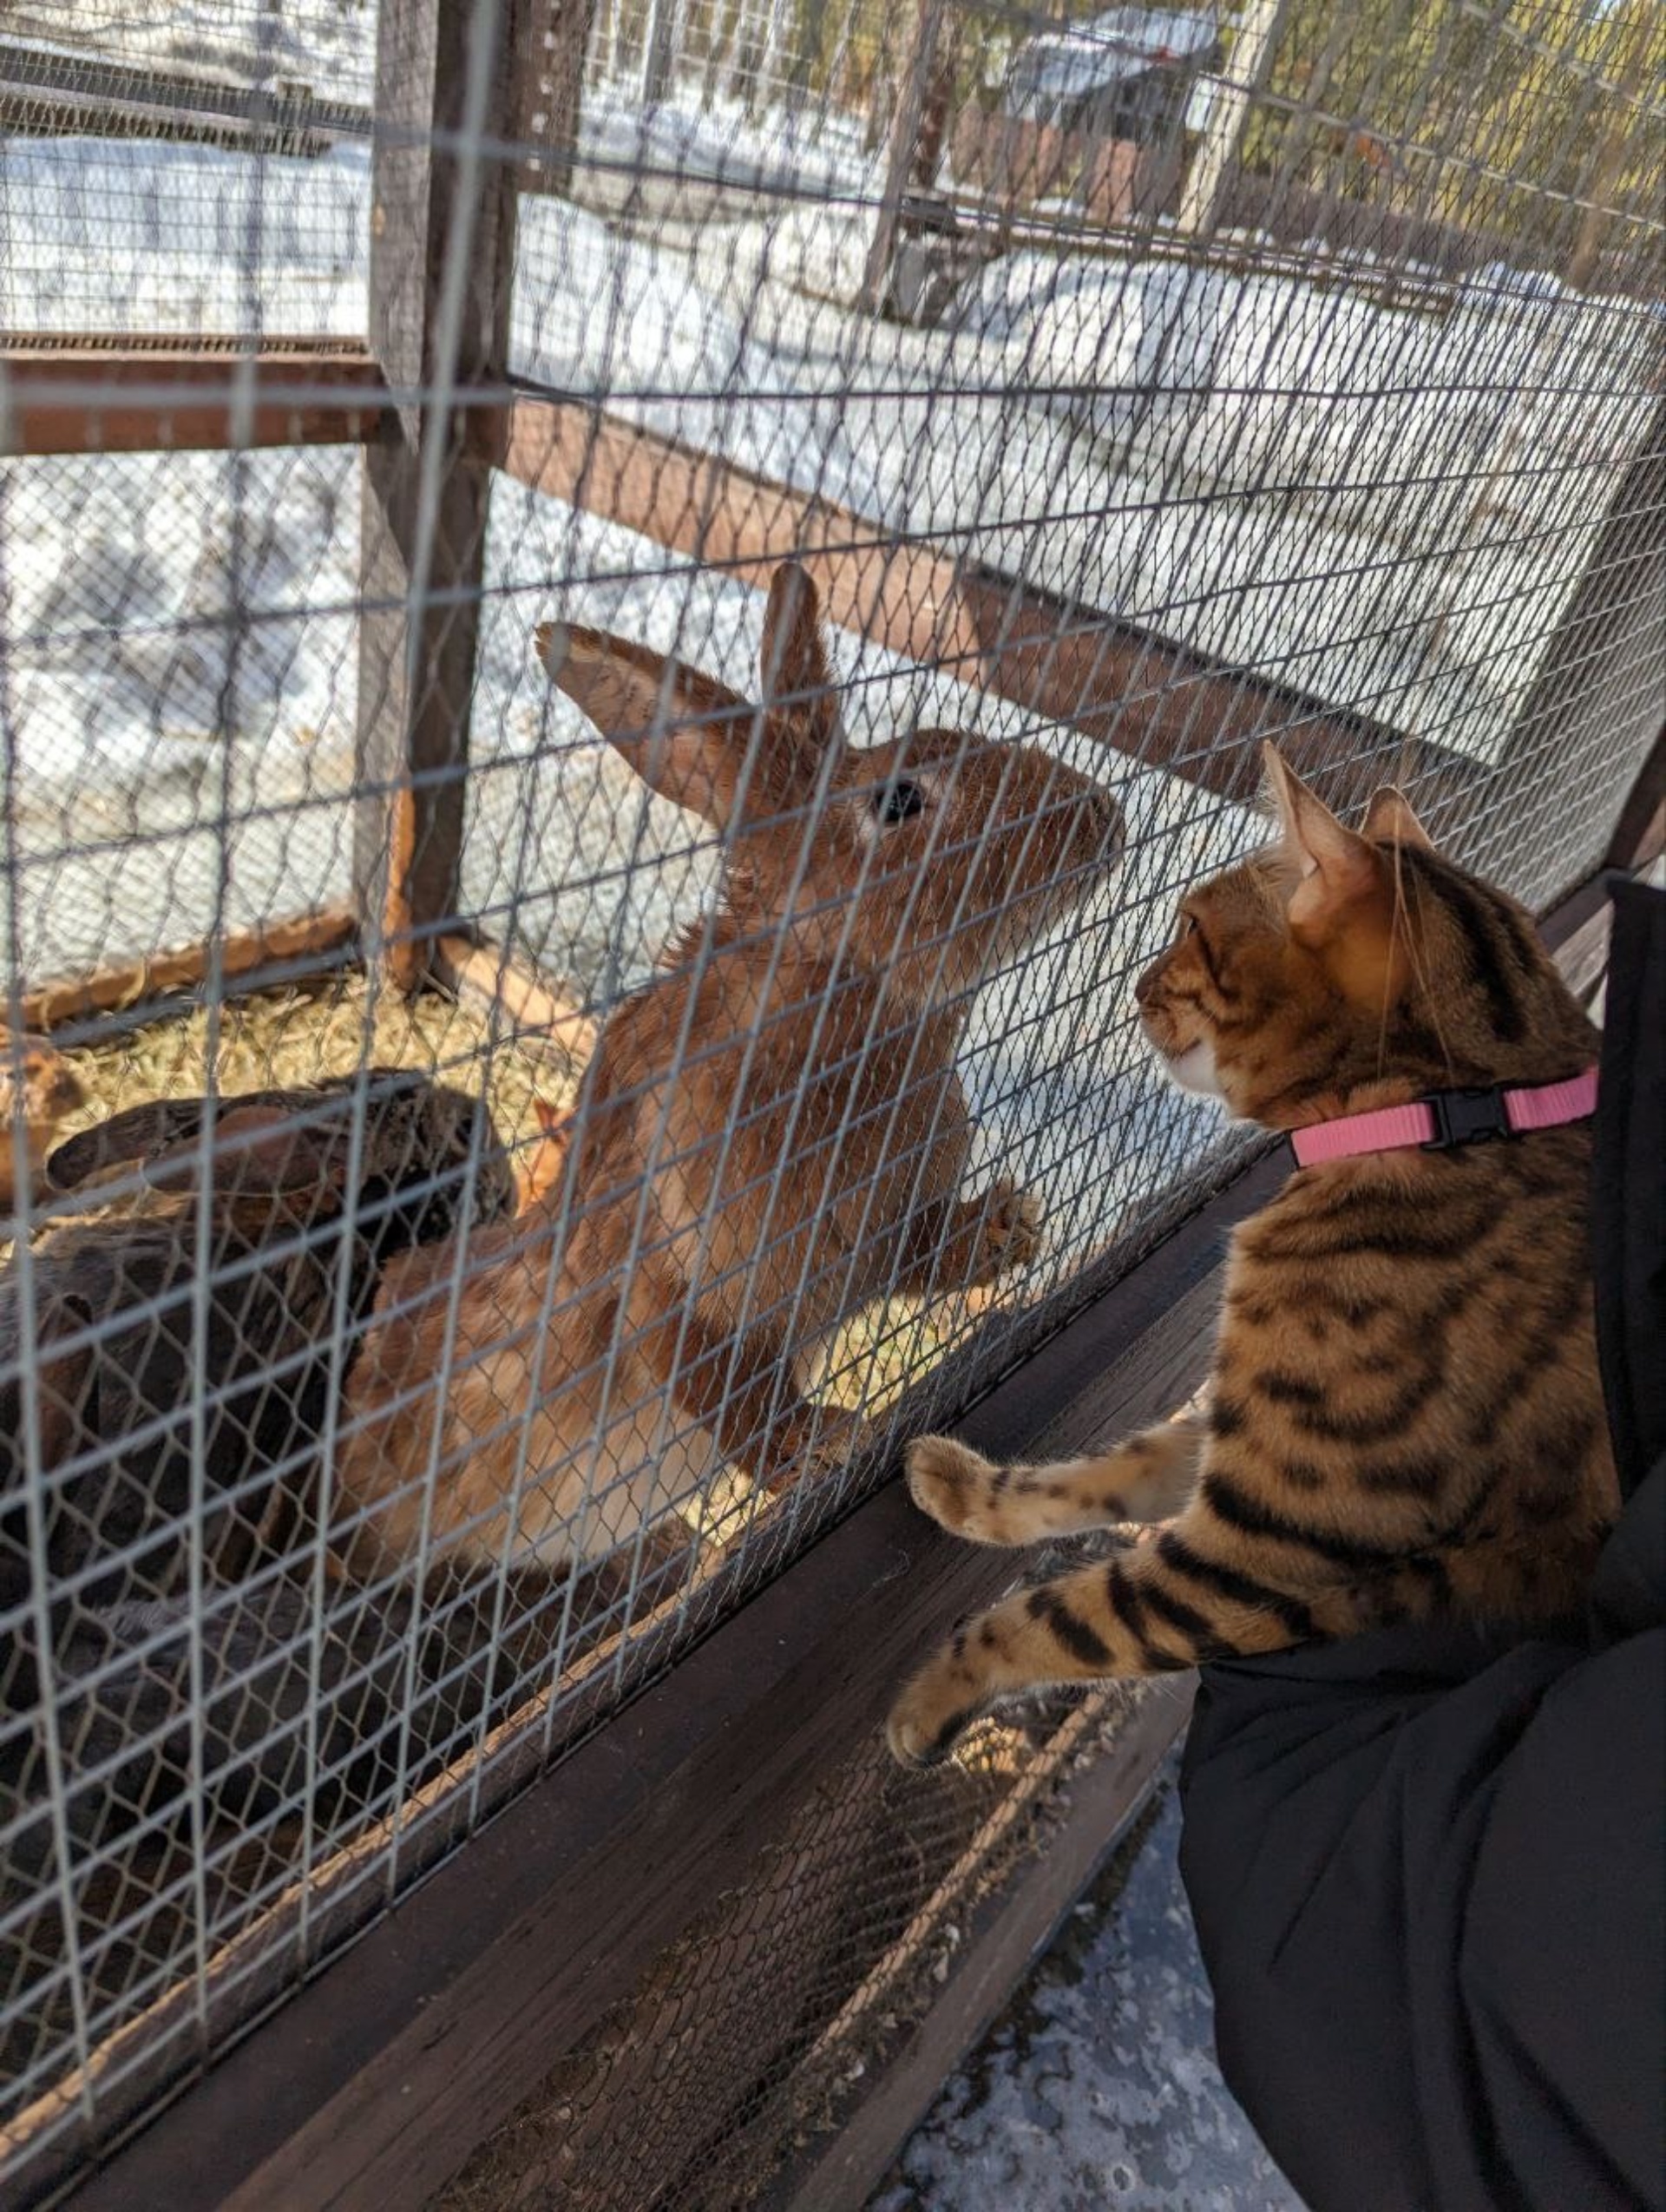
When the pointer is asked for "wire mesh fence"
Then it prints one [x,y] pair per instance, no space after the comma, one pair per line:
[645,609]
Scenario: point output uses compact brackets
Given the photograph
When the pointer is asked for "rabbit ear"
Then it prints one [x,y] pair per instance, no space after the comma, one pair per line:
[687,736]
[800,687]
[171,1129]
[134,1134]
[259,1152]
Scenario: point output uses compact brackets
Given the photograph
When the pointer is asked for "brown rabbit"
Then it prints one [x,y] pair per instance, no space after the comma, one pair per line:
[35,1076]
[774,1134]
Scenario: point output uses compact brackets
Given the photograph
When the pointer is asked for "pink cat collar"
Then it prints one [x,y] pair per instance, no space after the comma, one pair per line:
[1446,1119]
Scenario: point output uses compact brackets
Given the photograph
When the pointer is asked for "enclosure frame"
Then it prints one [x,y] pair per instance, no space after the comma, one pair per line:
[376,2080]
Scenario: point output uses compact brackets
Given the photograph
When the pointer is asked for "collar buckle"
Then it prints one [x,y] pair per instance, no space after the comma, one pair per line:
[1473,1117]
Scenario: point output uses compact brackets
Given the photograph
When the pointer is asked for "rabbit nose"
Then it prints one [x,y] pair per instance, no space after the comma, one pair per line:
[1144,986]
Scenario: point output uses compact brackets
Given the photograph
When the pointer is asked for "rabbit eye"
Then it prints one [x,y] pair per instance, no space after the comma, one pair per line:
[897,802]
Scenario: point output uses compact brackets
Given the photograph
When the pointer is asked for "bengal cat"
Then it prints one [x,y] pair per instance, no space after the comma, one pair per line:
[1404,1418]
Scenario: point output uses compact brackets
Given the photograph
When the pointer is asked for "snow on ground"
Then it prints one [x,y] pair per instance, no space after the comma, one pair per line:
[1096,2090]
[773,149]
[178,240]
[596,312]
[154,603]
[1386,507]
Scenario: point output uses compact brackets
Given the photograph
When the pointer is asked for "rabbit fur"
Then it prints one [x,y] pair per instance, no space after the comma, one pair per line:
[112,1305]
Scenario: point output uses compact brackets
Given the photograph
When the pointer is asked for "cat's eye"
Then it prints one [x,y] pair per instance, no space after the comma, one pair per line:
[899,802]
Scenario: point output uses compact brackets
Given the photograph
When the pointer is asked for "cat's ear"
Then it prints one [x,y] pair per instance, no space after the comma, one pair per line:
[1389,821]
[1335,864]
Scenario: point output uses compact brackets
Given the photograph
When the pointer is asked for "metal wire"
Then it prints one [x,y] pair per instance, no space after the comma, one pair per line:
[1325,405]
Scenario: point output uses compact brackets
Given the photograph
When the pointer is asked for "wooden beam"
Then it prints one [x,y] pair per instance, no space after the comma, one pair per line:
[487,975]
[437,220]
[48,94]
[123,397]
[1163,704]
[1255,32]
[254,958]
[915,143]
[548,41]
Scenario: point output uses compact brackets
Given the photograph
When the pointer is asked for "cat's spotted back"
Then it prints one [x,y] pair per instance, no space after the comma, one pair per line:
[1405,1417]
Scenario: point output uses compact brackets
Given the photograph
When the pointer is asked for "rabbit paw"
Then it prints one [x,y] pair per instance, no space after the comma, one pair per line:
[959,1488]
[803,1451]
[1012,1235]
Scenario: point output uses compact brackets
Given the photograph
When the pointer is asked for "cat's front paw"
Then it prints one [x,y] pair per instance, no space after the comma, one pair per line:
[960,1489]
[937,1707]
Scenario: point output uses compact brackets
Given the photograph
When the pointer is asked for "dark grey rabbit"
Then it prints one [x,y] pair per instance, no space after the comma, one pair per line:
[124,1680]
[277,1705]
[378,1689]
[115,1313]
[334,1696]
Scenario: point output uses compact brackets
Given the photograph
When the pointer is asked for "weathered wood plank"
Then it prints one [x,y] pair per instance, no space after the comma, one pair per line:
[423,511]
[548,41]
[486,975]
[998,1941]
[123,397]
[1165,705]
[248,956]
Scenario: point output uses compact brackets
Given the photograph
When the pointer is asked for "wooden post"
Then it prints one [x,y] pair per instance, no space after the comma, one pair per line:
[1253,46]
[548,41]
[424,509]
[659,51]
[1608,164]
[905,155]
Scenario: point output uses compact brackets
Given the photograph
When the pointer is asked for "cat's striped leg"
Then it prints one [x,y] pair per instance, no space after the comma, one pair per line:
[1159,1609]
[1150,1477]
